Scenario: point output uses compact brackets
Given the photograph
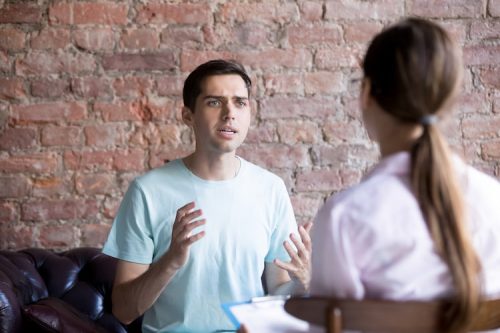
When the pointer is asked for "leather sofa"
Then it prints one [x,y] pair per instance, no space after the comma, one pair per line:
[46,291]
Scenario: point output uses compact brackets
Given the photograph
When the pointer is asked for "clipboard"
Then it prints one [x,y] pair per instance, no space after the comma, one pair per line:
[264,315]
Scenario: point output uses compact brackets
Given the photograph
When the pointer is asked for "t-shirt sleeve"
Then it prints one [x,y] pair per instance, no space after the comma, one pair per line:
[284,224]
[130,238]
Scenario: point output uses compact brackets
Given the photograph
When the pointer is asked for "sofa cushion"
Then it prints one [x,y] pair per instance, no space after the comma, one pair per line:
[54,315]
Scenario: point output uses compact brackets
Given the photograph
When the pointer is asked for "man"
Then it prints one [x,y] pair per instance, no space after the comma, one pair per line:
[199,231]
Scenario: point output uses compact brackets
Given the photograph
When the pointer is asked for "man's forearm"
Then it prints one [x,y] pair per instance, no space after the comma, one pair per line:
[292,287]
[131,299]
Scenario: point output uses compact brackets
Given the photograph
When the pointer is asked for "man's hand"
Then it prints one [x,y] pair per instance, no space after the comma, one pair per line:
[299,268]
[185,222]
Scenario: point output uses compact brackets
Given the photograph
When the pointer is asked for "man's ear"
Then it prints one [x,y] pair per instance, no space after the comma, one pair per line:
[187,116]
[365,97]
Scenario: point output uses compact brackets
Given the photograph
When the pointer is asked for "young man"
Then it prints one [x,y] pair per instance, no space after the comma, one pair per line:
[199,231]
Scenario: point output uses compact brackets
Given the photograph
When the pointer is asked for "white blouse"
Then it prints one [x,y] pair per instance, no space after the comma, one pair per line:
[371,241]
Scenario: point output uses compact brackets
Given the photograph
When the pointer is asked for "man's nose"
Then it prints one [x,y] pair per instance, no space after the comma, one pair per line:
[228,111]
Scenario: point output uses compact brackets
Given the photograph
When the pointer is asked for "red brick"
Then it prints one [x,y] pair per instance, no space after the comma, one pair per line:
[482,55]
[116,112]
[58,236]
[324,82]
[456,29]
[12,39]
[361,31]
[494,8]
[90,184]
[305,205]
[272,58]
[104,135]
[338,57]
[8,212]
[55,112]
[305,36]
[154,108]
[174,13]
[496,104]
[336,131]
[131,62]
[92,87]
[190,59]
[5,63]
[49,88]
[18,138]
[50,187]
[12,88]
[88,13]
[259,12]
[160,156]
[20,13]
[51,38]
[263,133]
[14,186]
[472,103]
[360,9]
[350,177]
[129,160]
[61,136]
[251,33]
[445,8]
[140,39]
[491,77]
[88,160]
[17,237]
[40,63]
[181,36]
[110,207]
[352,155]
[311,11]
[95,39]
[94,235]
[169,134]
[66,209]
[169,85]
[485,30]
[485,127]
[132,86]
[318,180]
[490,151]
[297,107]
[276,156]
[284,84]
[296,131]
[36,163]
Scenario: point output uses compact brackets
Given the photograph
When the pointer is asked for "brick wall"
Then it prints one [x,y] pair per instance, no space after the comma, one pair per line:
[91,92]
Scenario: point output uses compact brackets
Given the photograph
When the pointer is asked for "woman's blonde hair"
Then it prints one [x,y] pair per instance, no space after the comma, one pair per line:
[415,70]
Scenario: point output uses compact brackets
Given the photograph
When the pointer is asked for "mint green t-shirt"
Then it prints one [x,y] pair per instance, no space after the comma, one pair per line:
[247,220]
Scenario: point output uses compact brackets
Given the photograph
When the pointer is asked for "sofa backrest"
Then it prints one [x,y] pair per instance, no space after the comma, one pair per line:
[82,277]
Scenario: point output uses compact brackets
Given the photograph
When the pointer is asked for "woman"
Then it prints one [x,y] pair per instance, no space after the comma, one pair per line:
[422,225]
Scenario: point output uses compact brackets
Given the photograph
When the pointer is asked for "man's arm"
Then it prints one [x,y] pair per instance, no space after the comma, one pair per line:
[138,286]
[292,277]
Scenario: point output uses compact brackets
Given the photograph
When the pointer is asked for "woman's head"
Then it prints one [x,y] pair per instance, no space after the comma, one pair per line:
[414,70]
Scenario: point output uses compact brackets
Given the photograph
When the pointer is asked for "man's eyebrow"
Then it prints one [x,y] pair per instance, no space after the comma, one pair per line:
[223,97]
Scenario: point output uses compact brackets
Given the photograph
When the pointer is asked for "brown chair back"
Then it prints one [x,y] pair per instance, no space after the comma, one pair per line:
[384,316]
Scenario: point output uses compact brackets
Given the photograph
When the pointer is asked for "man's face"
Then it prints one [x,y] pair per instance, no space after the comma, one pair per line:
[222,114]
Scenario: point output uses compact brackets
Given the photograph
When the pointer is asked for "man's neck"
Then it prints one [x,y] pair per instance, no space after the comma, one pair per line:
[221,167]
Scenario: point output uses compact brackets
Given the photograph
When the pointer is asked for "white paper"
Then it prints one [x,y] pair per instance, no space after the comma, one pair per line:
[270,317]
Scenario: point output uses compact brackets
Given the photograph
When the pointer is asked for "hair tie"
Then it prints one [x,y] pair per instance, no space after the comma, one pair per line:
[428,119]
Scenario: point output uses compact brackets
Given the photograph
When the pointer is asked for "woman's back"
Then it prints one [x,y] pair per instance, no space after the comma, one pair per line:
[372,242]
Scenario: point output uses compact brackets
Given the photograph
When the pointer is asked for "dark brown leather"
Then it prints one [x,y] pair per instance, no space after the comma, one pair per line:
[80,277]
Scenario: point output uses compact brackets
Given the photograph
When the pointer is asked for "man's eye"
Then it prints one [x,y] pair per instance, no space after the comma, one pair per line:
[241,103]
[213,103]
